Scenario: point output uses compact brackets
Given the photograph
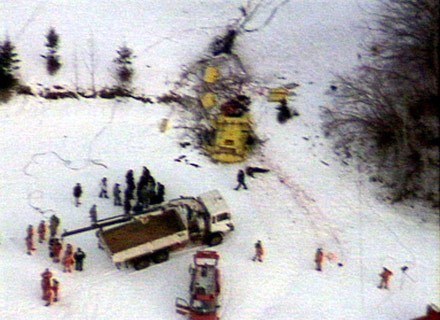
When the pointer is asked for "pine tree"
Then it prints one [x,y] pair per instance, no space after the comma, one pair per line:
[124,68]
[8,65]
[53,63]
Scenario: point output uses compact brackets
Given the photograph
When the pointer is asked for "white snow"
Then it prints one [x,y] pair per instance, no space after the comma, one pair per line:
[47,147]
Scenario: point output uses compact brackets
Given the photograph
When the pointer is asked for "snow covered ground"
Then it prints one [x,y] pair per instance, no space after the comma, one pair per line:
[308,199]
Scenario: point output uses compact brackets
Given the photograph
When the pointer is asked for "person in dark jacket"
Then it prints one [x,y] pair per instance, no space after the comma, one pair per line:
[79,259]
[103,185]
[54,223]
[93,214]
[117,195]
[129,179]
[240,179]
[77,192]
[127,206]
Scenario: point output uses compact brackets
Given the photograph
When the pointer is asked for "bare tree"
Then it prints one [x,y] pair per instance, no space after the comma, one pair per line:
[387,114]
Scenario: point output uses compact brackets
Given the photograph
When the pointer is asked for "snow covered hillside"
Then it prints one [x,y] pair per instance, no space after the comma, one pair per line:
[307,200]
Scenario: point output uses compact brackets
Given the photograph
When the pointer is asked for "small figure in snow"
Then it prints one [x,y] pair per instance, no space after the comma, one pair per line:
[68,259]
[30,245]
[385,278]
[53,225]
[284,112]
[79,259]
[259,252]
[117,195]
[129,179]
[93,214]
[42,231]
[57,247]
[55,289]
[251,170]
[77,192]
[319,259]
[46,286]
[103,185]
[30,239]
[240,179]
[30,231]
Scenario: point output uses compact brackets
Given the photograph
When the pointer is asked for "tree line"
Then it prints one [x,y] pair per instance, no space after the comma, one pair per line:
[385,113]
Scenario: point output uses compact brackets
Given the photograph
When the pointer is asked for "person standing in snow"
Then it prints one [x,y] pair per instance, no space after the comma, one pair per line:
[103,185]
[56,249]
[319,259]
[77,192]
[30,239]
[79,259]
[385,278]
[55,289]
[117,195]
[127,206]
[68,259]
[42,231]
[93,214]
[46,286]
[259,252]
[129,179]
[240,179]
[53,225]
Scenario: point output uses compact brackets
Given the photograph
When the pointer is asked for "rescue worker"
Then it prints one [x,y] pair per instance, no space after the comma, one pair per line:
[30,231]
[77,192]
[259,251]
[240,179]
[68,259]
[79,259]
[385,278]
[53,225]
[30,245]
[57,247]
[117,195]
[103,185]
[42,231]
[319,259]
[46,278]
[55,289]
[129,179]
[93,214]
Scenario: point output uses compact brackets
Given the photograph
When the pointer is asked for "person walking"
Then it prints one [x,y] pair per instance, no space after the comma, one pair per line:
[240,179]
[57,247]
[79,259]
[385,278]
[319,259]
[259,252]
[77,192]
[42,231]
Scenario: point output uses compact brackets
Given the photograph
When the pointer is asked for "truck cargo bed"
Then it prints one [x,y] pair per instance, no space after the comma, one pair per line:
[137,233]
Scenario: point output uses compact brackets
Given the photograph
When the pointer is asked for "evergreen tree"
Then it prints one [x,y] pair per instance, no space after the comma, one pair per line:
[124,68]
[53,63]
[8,64]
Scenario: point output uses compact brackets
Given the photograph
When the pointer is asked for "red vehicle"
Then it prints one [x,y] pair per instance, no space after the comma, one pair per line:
[204,288]
[432,313]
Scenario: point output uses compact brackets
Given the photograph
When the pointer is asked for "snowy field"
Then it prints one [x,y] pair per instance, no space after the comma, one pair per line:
[308,200]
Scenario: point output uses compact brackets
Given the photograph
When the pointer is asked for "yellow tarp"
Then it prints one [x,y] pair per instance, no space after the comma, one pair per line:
[278,94]
[212,74]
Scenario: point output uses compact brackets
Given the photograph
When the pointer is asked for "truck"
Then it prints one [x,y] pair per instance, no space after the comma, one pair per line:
[204,288]
[151,235]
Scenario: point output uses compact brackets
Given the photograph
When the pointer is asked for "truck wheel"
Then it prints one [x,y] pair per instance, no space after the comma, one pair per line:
[160,256]
[141,263]
[215,239]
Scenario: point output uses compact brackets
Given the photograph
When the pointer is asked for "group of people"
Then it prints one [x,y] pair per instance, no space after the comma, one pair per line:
[69,259]
[320,257]
[145,192]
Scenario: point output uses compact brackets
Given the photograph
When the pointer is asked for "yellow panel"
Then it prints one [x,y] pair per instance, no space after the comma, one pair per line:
[212,75]
[278,94]
[209,100]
